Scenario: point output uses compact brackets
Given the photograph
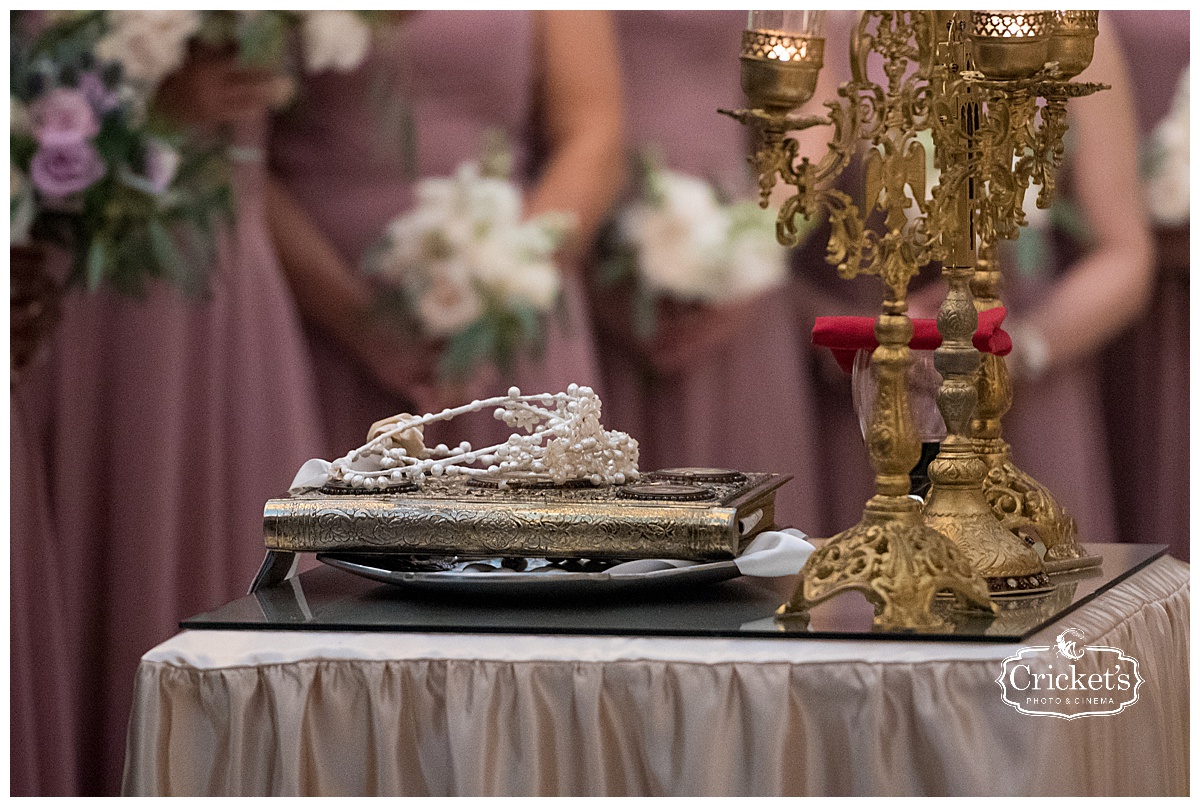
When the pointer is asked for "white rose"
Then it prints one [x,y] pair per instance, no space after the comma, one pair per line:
[1168,188]
[334,40]
[675,253]
[536,285]
[540,237]
[687,197]
[493,203]
[449,303]
[437,193]
[148,44]
[754,267]
[1168,197]
[515,279]
[753,258]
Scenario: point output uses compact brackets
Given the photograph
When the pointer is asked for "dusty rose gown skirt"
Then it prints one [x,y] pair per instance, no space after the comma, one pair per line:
[170,422]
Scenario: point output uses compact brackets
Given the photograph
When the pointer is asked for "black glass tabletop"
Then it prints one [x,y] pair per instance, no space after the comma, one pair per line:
[675,604]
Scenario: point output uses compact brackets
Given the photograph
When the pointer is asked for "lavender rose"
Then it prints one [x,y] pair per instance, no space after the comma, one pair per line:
[61,170]
[102,99]
[64,117]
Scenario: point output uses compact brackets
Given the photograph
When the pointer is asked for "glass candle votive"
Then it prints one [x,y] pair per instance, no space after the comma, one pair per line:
[1010,44]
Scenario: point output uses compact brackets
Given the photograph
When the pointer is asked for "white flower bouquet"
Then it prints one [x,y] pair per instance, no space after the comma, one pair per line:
[682,242]
[464,268]
[328,40]
[1168,161]
[150,44]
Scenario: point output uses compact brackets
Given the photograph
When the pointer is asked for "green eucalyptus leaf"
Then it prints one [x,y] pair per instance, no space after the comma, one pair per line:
[262,39]
[466,349]
[529,322]
[622,265]
[645,314]
[97,264]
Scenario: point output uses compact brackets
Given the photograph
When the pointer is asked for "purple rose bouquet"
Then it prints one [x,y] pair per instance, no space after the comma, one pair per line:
[92,171]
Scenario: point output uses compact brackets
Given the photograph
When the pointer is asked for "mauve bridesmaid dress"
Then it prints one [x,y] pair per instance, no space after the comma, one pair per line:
[1145,369]
[42,732]
[747,404]
[169,423]
[461,74]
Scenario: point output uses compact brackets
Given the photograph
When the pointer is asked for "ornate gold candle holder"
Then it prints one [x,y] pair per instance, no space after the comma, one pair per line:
[974,79]
[1073,40]
[956,505]
[890,555]
[1010,44]
[1001,141]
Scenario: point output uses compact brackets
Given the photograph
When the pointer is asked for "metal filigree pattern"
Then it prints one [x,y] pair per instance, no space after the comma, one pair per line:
[974,79]
[1027,508]
[899,567]
[449,516]
[1011,24]
[772,45]
[1077,20]
[886,117]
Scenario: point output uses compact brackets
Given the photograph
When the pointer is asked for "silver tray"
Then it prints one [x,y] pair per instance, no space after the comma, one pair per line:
[639,576]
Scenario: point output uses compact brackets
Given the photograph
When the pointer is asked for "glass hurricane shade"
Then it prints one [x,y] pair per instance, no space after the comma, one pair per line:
[792,23]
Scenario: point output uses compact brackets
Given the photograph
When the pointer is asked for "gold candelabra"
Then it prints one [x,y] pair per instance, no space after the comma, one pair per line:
[973,80]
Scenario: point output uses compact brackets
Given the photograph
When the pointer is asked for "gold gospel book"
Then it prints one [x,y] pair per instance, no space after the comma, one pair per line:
[691,514]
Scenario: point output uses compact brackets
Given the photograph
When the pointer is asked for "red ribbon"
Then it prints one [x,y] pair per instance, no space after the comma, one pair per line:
[845,336]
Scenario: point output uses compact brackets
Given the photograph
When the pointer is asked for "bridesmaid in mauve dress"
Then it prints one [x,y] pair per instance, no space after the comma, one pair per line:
[544,80]
[718,386]
[1145,375]
[169,423]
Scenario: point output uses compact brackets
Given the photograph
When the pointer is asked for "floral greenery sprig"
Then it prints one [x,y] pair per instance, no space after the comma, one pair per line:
[463,267]
[680,240]
[329,40]
[93,171]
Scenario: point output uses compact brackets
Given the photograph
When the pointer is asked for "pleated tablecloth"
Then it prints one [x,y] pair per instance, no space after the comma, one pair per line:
[330,714]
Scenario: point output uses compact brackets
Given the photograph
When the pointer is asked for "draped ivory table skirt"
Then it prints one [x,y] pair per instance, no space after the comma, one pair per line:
[325,713]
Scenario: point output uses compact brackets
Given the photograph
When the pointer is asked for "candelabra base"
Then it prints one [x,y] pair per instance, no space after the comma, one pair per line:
[1025,507]
[897,563]
[960,512]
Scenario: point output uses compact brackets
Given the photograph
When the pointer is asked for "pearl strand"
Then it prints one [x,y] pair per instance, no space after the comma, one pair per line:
[566,442]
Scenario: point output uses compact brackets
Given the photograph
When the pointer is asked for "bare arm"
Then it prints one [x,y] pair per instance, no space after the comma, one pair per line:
[1107,288]
[338,300]
[329,293]
[581,101]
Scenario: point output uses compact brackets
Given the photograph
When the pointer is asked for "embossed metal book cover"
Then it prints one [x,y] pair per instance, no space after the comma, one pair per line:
[700,514]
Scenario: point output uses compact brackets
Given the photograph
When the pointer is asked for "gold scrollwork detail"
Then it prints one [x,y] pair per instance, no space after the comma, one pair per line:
[900,567]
